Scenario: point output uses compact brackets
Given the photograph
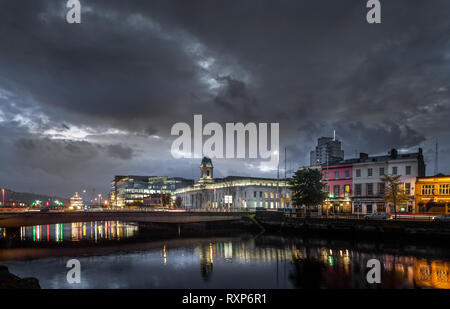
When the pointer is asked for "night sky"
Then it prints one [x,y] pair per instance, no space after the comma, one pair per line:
[82,103]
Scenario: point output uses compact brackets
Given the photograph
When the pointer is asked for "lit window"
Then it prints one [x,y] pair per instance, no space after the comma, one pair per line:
[444,189]
[427,190]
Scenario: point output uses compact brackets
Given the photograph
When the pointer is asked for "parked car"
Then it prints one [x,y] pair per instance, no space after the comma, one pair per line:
[443,218]
[378,216]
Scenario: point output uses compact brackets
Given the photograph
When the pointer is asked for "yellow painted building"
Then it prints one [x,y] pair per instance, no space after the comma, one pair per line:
[433,194]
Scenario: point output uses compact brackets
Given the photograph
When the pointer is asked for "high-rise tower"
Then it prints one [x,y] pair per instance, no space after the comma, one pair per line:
[328,150]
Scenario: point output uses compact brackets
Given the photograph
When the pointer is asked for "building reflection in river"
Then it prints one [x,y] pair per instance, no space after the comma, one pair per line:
[91,231]
[277,262]
[343,268]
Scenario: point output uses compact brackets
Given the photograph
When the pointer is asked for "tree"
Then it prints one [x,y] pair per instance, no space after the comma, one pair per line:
[166,199]
[394,192]
[307,188]
[178,202]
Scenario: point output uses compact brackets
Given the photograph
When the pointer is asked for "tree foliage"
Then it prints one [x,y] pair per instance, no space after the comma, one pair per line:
[166,199]
[307,188]
[394,193]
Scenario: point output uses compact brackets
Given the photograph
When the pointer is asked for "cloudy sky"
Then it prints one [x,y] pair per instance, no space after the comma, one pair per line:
[82,103]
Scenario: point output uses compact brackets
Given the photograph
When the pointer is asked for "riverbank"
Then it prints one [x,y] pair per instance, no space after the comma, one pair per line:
[10,281]
[354,228]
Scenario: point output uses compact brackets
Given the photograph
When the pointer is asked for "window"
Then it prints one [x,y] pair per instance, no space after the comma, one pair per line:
[408,170]
[336,175]
[408,188]
[327,188]
[369,172]
[358,189]
[444,189]
[266,195]
[254,194]
[381,171]
[271,194]
[347,174]
[260,194]
[347,190]
[369,189]
[427,190]
[358,173]
[326,175]
[336,191]
[394,170]
[381,188]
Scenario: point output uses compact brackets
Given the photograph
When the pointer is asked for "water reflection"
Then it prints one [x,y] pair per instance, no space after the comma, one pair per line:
[327,268]
[255,262]
[74,232]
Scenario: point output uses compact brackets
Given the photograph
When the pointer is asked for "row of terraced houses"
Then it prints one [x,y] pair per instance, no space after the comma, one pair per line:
[355,185]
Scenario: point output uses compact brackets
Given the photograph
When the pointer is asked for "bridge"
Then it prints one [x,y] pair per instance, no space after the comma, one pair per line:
[18,219]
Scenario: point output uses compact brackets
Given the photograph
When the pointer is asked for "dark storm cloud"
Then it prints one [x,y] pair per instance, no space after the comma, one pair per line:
[104,94]
[120,152]
[57,157]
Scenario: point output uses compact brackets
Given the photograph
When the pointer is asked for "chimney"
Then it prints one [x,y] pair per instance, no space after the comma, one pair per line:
[393,153]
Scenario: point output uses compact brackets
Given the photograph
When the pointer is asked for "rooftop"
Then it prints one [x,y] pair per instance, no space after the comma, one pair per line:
[392,155]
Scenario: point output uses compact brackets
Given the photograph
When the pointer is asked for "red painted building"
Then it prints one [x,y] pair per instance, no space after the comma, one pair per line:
[338,180]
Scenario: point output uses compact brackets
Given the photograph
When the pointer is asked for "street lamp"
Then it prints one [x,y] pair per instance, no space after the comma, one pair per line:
[3,200]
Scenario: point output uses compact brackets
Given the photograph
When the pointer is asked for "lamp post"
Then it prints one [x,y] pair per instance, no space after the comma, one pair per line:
[3,198]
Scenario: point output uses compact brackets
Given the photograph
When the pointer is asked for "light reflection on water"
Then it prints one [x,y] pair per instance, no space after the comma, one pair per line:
[91,231]
[262,262]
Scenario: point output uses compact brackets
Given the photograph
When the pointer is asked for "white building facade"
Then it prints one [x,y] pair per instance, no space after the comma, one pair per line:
[234,192]
[368,188]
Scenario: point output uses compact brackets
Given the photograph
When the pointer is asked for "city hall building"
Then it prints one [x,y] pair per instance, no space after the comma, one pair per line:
[234,191]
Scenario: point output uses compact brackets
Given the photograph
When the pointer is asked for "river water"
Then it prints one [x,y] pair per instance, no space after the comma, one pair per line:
[119,255]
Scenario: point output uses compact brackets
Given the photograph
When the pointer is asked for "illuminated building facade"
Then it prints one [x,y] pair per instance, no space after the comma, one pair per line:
[130,191]
[368,188]
[433,194]
[76,202]
[234,191]
[355,185]
[338,186]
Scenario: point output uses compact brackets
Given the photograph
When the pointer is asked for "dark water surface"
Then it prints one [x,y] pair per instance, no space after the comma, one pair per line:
[119,255]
